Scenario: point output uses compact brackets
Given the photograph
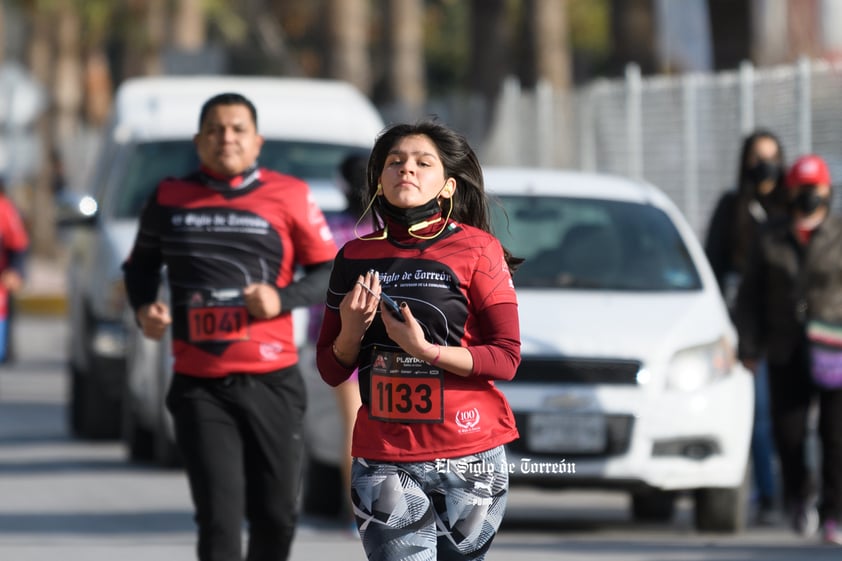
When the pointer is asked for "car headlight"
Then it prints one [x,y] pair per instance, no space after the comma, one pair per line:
[692,368]
[88,206]
[109,340]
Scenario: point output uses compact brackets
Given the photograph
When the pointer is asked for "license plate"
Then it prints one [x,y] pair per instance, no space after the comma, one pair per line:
[562,433]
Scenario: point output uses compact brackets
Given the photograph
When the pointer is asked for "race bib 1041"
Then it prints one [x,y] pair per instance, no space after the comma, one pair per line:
[220,319]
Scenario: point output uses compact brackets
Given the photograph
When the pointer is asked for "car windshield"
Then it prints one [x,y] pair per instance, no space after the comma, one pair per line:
[594,244]
[148,162]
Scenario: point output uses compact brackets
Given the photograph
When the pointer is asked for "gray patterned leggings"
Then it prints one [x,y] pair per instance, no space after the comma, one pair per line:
[427,511]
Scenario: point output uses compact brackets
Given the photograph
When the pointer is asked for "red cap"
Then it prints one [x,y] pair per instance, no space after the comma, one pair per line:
[808,170]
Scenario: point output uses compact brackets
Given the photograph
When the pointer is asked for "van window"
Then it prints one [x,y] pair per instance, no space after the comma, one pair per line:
[149,162]
[594,244]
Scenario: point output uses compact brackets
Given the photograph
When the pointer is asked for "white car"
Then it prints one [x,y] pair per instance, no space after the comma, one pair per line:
[628,377]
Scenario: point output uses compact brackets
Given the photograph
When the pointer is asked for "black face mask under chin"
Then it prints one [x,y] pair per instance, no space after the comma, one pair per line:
[808,201]
[407,216]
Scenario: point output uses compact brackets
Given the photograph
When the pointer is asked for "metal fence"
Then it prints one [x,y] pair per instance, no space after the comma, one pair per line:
[681,133]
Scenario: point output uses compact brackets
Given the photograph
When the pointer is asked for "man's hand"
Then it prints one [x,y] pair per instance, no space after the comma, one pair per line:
[262,300]
[750,364]
[154,319]
[11,280]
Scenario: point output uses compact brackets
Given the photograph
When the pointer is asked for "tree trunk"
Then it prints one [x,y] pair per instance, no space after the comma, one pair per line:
[98,86]
[633,30]
[547,29]
[189,27]
[804,28]
[97,82]
[156,32]
[730,33]
[263,19]
[490,47]
[144,44]
[347,33]
[406,84]
[3,33]
[37,207]
[769,39]
[67,92]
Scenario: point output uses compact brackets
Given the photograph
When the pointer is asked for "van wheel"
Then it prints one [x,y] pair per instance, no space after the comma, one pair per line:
[139,441]
[76,402]
[91,415]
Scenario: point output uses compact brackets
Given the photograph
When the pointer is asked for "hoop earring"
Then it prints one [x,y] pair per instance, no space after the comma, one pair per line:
[360,219]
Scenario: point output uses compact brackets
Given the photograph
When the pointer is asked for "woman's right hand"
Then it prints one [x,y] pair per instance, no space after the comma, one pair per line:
[359,306]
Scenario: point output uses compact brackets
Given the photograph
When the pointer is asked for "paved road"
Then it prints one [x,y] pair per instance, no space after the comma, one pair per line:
[81,501]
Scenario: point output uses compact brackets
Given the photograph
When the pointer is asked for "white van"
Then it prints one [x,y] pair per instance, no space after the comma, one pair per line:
[118,378]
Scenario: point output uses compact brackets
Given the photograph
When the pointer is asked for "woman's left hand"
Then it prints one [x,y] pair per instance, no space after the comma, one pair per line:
[410,337]
[408,333]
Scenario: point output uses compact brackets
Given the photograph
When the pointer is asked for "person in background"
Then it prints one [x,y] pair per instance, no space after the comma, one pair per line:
[793,277]
[760,195]
[14,243]
[345,226]
[429,476]
[232,235]
[59,176]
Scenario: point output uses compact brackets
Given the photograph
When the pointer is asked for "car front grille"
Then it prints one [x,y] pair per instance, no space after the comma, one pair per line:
[569,370]
[617,439]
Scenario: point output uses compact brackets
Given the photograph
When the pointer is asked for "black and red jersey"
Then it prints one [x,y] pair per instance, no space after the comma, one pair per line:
[214,241]
[451,283]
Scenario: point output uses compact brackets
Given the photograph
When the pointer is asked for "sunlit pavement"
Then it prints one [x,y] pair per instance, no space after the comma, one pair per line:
[81,501]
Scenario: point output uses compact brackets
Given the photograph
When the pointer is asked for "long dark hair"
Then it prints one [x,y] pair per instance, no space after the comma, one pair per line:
[745,186]
[470,202]
[745,226]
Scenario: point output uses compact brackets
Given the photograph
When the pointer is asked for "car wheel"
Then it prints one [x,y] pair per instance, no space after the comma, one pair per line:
[722,509]
[653,505]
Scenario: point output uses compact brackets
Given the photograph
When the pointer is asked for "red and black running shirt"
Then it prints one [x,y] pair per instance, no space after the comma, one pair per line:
[14,241]
[215,240]
[460,290]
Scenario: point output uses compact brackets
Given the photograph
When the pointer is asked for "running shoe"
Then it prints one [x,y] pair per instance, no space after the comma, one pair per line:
[805,519]
[766,514]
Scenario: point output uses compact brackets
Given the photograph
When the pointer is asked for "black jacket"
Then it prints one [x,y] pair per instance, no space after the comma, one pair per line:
[721,236]
[784,285]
